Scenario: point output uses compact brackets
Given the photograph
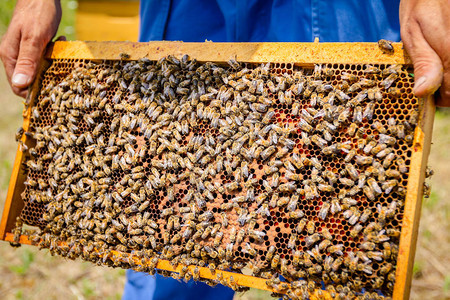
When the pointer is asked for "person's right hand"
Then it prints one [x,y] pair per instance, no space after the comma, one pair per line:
[425,30]
[32,26]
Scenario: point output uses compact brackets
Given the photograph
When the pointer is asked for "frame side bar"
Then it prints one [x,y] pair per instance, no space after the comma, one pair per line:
[11,203]
[7,217]
[413,201]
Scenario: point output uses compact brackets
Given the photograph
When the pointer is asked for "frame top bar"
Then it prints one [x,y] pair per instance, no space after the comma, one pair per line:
[297,53]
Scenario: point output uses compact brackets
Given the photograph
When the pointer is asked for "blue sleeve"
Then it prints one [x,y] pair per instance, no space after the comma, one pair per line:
[141,286]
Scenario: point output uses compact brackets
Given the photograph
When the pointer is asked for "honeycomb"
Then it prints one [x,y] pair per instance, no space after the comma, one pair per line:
[272,169]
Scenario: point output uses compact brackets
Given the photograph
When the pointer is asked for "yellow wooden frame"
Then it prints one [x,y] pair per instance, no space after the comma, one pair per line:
[296,53]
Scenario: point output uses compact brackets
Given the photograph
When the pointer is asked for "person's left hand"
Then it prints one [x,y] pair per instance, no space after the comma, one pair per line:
[425,31]
[32,26]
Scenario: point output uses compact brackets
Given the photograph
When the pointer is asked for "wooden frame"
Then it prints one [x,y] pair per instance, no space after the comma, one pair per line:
[296,53]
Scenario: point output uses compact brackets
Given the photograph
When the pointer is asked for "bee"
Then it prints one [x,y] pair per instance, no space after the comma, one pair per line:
[370,246]
[393,173]
[426,190]
[388,81]
[386,268]
[324,210]
[386,46]
[287,187]
[354,232]
[394,92]
[166,212]
[346,181]
[296,258]
[352,129]
[358,114]
[275,261]
[124,56]
[330,176]
[304,125]
[19,134]
[377,282]
[378,148]
[270,253]
[384,152]
[374,185]
[389,185]
[292,241]
[352,215]
[325,187]
[311,286]
[371,69]
[224,219]
[349,76]
[218,239]
[323,245]
[316,269]
[363,160]
[310,227]
[312,239]
[35,166]
[232,236]
[335,206]
[401,165]
[320,142]
[187,276]
[249,250]
[350,155]
[336,249]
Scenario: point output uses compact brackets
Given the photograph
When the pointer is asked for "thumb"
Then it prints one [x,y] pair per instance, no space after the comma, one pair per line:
[26,66]
[428,72]
[428,69]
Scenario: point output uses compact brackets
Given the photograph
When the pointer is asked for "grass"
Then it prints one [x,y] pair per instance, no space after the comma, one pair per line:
[431,202]
[417,269]
[88,289]
[27,273]
[19,295]
[446,286]
[27,259]
[6,9]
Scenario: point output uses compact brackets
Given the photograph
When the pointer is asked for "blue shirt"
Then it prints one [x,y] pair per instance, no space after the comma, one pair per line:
[269,20]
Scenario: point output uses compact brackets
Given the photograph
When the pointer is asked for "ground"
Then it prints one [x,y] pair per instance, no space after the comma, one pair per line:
[27,273]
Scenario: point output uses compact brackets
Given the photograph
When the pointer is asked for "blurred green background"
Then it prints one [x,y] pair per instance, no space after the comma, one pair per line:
[66,28]
[27,273]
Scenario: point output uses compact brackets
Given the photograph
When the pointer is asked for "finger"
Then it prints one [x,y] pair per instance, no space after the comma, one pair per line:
[435,26]
[20,92]
[428,69]
[61,38]
[30,52]
[9,68]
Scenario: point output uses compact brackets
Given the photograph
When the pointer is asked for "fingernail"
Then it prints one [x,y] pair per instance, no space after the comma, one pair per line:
[419,82]
[20,80]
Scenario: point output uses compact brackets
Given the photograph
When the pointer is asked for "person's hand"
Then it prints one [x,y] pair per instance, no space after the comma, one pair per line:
[32,26]
[425,31]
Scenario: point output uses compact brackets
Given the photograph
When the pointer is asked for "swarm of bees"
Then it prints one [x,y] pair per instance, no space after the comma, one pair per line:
[276,169]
